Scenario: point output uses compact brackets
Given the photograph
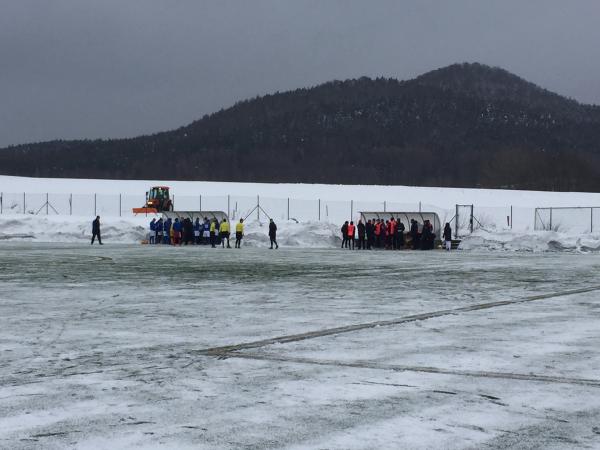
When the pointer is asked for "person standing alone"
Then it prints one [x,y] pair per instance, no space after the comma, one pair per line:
[239,233]
[273,234]
[448,236]
[96,230]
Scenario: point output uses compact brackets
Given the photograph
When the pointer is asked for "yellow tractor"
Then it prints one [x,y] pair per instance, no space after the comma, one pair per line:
[157,200]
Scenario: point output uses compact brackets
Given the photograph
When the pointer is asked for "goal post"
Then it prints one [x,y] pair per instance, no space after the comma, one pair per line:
[463,220]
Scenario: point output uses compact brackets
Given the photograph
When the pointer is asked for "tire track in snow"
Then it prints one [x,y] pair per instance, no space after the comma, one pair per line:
[225,350]
[425,369]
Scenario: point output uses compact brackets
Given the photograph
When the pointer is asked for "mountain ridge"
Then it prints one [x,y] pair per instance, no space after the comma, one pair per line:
[464,125]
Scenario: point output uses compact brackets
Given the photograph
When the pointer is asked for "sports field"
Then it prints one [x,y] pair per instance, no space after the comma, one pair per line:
[128,346]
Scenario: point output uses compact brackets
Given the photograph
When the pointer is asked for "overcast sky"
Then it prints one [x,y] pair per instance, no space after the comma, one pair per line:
[118,68]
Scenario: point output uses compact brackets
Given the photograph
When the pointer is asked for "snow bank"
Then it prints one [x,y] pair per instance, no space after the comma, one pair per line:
[134,230]
[289,234]
[535,241]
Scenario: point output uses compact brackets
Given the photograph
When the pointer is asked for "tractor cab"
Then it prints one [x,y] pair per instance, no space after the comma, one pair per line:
[157,200]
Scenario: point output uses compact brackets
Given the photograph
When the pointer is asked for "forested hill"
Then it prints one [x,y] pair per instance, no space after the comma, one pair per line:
[466,125]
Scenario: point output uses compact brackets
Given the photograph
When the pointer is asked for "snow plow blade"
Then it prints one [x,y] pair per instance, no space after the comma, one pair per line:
[145,211]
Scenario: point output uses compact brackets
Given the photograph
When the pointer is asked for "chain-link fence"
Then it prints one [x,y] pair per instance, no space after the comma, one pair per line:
[568,219]
[259,208]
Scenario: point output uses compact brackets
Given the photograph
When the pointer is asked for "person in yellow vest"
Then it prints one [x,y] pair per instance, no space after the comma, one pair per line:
[224,233]
[213,232]
[239,233]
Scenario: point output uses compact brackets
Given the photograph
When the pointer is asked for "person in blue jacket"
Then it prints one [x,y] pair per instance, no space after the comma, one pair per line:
[167,231]
[152,233]
[197,231]
[159,231]
[177,232]
[206,231]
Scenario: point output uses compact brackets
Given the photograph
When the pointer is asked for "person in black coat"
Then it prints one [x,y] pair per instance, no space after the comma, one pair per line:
[345,234]
[273,234]
[400,234]
[96,230]
[370,232]
[414,234]
[361,235]
[448,236]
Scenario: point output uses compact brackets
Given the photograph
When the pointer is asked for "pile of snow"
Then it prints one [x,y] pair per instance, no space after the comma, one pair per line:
[534,241]
[134,230]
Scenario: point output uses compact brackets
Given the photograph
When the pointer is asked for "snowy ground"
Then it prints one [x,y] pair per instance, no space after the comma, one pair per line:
[128,346]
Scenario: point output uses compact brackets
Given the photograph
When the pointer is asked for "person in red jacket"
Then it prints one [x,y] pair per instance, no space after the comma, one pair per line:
[351,235]
[378,233]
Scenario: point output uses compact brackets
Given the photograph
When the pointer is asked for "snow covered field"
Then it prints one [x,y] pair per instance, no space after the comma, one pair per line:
[128,346]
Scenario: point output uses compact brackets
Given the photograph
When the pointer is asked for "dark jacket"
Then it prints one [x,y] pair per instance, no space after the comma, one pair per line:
[345,230]
[447,233]
[272,229]
[361,229]
[414,229]
[96,226]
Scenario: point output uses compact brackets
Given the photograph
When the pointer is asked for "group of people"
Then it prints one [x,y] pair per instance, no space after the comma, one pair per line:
[391,235]
[208,232]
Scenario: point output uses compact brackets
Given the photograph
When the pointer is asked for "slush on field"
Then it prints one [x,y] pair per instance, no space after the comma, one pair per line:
[129,346]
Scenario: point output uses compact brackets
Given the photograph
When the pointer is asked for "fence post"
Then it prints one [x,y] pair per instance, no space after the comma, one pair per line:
[550,219]
[511,217]
[0,202]
[200,202]
[288,209]
[319,210]
[228,208]
[591,220]
[70,204]
[120,205]
[456,223]
[419,206]
[46,203]
[23,202]
[258,208]
[471,220]
[384,206]
[351,209]
[95,209]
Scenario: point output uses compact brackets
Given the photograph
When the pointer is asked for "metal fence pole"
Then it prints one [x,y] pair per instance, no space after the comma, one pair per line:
[0,202]
[319,210]
[288,209]
[384,206]
[228,201]
[200,202]
[591,220]
[351,209]
[23,202]
[471,220]
[456,223]
[511,217]
[120,205]
[46,203]
[95,206]
[550,219]
[258,208]
[70,204]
